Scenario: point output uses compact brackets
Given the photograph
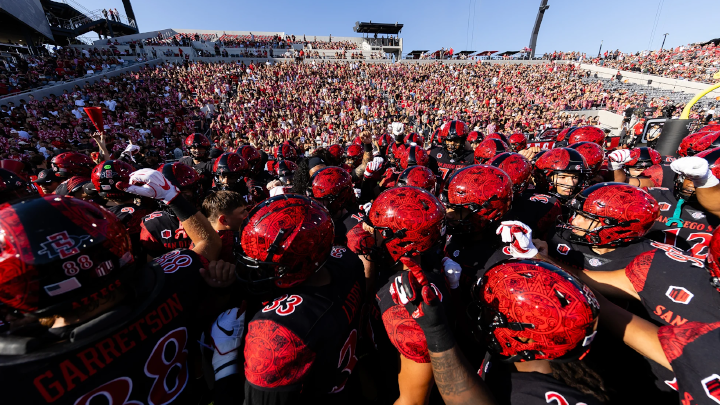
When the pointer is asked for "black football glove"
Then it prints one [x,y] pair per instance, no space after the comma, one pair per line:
[413,290]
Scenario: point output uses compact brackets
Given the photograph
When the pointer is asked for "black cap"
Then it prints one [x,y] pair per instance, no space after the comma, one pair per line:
[46,176]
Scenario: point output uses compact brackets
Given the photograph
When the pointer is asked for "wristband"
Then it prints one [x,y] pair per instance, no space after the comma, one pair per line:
[439,338]
[367,147]
[182,208]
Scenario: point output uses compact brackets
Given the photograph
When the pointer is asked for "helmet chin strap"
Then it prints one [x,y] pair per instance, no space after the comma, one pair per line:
[675,219]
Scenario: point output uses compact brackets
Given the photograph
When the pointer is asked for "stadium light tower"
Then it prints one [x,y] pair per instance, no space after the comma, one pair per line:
[536,28]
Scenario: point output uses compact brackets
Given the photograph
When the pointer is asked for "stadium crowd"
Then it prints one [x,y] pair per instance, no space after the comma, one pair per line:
[352,233]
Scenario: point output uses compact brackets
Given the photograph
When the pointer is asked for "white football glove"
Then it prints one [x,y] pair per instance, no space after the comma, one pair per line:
[150,183]
[226,336]
[373,167]
[618,158]
[453,271]
[357,192]
[519,236]
[366,208]
[398,128]
[696,169]
[131,150]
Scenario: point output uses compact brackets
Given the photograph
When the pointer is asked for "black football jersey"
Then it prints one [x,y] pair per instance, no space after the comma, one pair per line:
[304,341]
[404,333]
[131,216]
[692,350]
[673,287]
[144,356]
[538,211]
[161,232]
[344,224]
[583,257]
[447,165]
[534,389]
[692,234]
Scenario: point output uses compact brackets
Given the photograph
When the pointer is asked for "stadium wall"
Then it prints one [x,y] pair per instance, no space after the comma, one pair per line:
[58,89]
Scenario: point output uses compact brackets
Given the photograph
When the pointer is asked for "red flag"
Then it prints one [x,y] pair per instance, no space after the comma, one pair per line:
[95,115]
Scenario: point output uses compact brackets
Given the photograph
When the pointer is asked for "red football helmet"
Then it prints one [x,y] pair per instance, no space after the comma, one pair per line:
[484,191]
[59,254]
[70,164]
[285,239]
[488,149]
[107,174]
[686,147]
[336,151]
[357,141]
[624,213]
[414,156]
[556,161]
[564,134]
[454,130]
[709,140]
[642,158]
[332,186]
[713,158]
[286,152]
[12,186]
[418,176]
[475,138]
[438,137]
[285,170]
[414,138]
[195,141]
[531,310]
[517,167]
[409,220]
[229,171]
[587,133]
[354,155]
[252,157]
[517,142]
[712,127]
[498,135]
[593,154]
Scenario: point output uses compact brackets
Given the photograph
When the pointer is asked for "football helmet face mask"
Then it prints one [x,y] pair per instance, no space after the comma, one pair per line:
[333,188]
[198,145]
[614,214]
[488,149]
[354,155]
[517,142]
[284,240]
[59,254]
[557,163]
[394,154]
[587,134]
[414,156]
[517,167]
[454,134]
[107,174]
[478,195]
[593,154]
[71,164]
[229,170]
[528,310]
[418,176]
[407,222]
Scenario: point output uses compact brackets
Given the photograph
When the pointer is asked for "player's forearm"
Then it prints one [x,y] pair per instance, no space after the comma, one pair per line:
[206,240]
[709,198]
[456,381]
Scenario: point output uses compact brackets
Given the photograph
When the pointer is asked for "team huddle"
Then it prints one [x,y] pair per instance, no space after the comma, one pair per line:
[478,270]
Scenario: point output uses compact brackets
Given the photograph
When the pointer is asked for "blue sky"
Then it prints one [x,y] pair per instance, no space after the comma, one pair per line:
[498,25]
